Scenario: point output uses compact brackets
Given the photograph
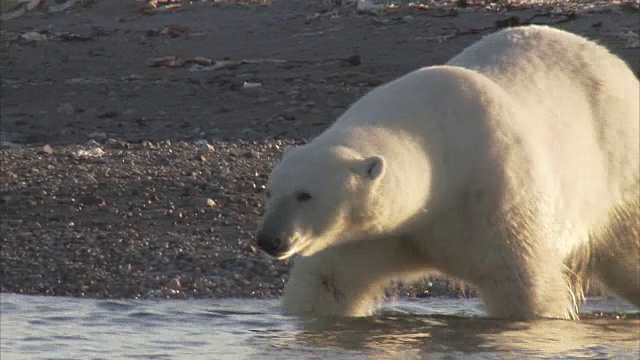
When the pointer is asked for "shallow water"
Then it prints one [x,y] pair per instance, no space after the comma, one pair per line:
[35,327]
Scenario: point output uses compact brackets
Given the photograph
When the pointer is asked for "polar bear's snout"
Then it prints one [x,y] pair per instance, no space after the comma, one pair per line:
[275,234]
[270,245]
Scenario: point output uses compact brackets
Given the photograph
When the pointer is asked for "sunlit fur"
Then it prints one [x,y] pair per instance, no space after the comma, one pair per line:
[514,168]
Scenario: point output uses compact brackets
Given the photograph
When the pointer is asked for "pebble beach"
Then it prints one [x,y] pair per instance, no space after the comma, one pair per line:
[135,147]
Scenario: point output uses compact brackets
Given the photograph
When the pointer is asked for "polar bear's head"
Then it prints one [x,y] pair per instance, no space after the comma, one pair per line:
[318,196]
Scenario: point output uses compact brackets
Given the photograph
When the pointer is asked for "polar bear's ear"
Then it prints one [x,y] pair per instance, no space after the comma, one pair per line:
[374,167]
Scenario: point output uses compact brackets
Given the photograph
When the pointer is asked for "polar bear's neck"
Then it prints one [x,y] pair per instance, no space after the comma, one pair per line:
[406,184]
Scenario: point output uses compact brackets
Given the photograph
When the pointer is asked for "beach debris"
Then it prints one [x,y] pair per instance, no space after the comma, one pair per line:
[174,61]
[153,6]
[250,85]
[95,152]
[219,64]
[87,80]
[61,6]
[38,36]
[171,61]
[199,60]
[65,36]
[21,7]
[32,37]
[200,63]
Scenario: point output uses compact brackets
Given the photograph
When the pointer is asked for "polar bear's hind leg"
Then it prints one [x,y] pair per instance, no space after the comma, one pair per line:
[616,261]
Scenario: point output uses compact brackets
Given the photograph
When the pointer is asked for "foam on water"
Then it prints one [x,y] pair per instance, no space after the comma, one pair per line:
[35,327]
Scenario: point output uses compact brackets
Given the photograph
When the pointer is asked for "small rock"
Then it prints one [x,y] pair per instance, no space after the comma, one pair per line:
[118,144]
[148,145]
[211,203]
[174,284]
[33,37]
[202,202]
[47,149]
[205,145]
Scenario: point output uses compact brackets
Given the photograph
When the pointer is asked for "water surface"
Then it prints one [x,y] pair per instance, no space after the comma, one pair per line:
[38,327]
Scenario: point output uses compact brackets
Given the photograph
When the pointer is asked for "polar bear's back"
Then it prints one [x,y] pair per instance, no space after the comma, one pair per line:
[583,106]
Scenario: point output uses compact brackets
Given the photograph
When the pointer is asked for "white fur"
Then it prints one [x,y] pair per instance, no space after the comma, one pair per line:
[515,167]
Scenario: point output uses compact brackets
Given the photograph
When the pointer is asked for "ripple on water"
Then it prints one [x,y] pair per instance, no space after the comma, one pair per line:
[48,327]
[115,305]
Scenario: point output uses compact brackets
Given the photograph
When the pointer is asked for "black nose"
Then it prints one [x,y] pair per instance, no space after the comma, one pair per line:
[269,244]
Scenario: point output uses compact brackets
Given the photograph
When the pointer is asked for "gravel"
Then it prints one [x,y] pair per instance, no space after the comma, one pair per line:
[140,220]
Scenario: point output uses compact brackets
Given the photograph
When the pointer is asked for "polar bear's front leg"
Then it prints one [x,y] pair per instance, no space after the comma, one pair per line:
[532,288]
[349,279]
[523,277]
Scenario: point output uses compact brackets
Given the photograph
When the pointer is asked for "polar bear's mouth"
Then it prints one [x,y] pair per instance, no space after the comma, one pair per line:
[295,248]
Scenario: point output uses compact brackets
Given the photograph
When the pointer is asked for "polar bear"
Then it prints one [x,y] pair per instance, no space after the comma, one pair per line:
[514,167]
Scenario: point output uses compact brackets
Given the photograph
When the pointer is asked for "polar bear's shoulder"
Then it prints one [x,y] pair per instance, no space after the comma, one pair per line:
[533,47]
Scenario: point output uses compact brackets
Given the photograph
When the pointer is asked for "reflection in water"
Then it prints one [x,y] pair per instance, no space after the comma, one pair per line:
[433,335]
[47,327]
[609,328]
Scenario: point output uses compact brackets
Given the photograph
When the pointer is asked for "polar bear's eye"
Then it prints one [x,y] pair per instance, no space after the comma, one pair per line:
[303,196]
